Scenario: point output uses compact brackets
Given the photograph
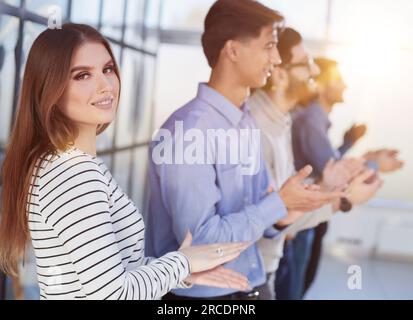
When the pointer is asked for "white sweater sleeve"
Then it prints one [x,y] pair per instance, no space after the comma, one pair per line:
[310,220]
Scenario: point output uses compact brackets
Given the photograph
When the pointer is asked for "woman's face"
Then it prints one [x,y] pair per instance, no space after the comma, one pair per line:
[91,95]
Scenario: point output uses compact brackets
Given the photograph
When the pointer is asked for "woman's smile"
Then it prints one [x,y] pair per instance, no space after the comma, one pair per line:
[104,103]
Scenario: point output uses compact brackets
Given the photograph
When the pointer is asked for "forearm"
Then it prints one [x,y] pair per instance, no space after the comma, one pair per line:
[311,219]
[248,224]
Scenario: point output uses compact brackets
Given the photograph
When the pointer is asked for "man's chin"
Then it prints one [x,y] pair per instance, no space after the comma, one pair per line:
[259,83]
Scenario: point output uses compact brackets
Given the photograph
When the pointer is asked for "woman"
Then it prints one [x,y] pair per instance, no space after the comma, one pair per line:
[88,237]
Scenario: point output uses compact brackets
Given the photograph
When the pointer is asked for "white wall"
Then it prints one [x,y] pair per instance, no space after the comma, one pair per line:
[381,229]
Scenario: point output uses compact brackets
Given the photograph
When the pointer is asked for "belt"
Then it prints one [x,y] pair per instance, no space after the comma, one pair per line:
[250,295]
[254,294]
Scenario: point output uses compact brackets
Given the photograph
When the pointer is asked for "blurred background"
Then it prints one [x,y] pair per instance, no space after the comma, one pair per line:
[157,44]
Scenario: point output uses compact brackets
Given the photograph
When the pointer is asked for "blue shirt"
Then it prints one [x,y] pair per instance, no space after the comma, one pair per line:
[216,201]
[311,144]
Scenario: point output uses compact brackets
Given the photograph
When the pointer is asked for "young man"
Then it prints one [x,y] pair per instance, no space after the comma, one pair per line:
[311,144]
[311,126]
[271,105]
[206,189]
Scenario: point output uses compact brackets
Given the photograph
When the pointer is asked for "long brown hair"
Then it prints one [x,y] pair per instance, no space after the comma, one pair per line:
[40,128]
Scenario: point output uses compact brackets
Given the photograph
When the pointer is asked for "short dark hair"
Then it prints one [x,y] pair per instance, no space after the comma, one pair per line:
[327,66]
[234,19]
[288,39]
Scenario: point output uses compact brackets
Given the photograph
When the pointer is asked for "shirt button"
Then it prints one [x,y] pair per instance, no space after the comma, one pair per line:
[254,265]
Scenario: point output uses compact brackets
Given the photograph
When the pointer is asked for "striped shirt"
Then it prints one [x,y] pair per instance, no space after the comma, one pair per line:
[88,236]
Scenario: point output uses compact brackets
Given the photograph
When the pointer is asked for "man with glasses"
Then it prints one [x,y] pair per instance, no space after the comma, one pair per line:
[289,83]
[271,107]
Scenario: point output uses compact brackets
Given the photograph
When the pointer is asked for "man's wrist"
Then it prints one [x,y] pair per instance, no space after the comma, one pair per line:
[279,226]
[283,197]
[345,205]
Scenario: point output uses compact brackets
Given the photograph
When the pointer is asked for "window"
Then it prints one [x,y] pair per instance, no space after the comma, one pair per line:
[128,25]
[140,166]
[308,17]
[145,107]
[184,14]
[122,160]
[180,69]
[129,102]
[43,7]
[7,73]
[135,15]
[86,12]
[112,19]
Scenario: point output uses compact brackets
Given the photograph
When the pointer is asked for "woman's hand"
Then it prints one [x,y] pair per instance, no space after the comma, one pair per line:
[210,256]
[220,277]
[206,261]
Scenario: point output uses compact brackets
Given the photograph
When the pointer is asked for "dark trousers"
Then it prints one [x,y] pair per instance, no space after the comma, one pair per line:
[291,273]
[303,243]
[284,276]
[2,286]
[316,250]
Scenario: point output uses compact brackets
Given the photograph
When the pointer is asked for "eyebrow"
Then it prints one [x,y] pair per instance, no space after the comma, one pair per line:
[275,41]
[77,68]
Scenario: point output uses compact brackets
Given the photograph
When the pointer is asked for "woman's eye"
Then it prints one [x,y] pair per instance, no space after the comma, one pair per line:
[108,70]
[82,76]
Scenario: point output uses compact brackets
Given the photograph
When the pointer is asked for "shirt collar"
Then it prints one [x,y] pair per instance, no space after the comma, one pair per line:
[283,120]
[215,99]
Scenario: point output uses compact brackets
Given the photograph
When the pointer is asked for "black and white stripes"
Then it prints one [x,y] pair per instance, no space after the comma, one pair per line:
[88,237]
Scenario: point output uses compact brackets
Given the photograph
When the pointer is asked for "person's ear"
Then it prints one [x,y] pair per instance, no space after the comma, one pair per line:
[231,50]
[323,88]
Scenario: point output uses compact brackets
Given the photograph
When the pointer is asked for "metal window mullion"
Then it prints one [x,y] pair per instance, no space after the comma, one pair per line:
[138,105]
[18,51]
[115,125]
[129,46]
[69,10]
[99,27]
[327,38]
[152,105]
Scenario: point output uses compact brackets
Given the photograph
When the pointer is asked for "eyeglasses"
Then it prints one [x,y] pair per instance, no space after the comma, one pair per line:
[308,64]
